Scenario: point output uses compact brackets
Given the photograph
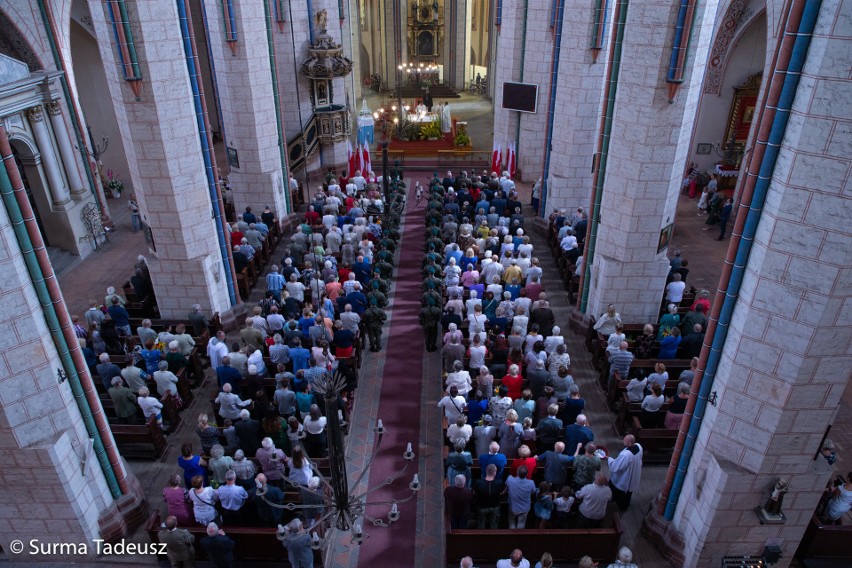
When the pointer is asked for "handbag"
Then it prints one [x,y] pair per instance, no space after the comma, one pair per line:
[218,518]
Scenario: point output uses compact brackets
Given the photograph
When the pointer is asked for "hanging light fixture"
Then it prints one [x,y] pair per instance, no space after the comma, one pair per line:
[345,510]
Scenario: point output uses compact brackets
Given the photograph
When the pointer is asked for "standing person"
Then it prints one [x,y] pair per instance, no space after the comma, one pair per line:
[374,319]
[218,546]
[427,101]
[724,217]
[446,119]
[297,541]
[515,560]
[178,543]
[536,194]
[429,318]
[135,216]
[626,472]
[624,560]
[595,498]
[487,493]
[520,491]
[124,401]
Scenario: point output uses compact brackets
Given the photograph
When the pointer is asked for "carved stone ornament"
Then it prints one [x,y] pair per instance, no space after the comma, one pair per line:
[54,108]
[35,114]
[327,59]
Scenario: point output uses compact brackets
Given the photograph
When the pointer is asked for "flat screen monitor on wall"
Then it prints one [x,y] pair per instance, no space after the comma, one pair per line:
[522,97]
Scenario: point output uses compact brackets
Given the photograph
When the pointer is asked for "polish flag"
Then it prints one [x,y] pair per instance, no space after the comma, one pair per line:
[510,161]
[496,157]
[350,156]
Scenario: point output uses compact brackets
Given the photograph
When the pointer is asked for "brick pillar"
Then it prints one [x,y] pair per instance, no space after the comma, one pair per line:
[169,172]
[786,362]
[649,145]
[244,82]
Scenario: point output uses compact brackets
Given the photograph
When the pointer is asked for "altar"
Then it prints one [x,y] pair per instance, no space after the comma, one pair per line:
[424,117]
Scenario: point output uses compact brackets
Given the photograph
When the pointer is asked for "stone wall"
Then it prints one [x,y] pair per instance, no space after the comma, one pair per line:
[786,360]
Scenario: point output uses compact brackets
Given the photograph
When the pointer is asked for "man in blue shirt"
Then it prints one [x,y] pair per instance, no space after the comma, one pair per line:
[299,356]
[357,300]
[493,456]
[578,433]
[274,282]
[362,270]
[120,317]
[227,374]
[556,465]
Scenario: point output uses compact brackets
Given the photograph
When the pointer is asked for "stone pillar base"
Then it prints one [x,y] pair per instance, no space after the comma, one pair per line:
[663,535]
[126,513]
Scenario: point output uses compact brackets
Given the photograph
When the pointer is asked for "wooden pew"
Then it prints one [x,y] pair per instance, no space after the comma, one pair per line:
[566,545]
[829,542]
[657,443]
[140,442]
[674,367]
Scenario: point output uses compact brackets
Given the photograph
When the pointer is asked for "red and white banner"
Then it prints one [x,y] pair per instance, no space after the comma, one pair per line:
[351,159]
[496,158]
[511,161]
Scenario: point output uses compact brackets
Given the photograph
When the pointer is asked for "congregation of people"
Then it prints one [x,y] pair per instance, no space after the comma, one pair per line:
[264,442]
[520,452]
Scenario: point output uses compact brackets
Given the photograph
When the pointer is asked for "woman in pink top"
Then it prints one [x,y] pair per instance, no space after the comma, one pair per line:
[470,276]
[175,497]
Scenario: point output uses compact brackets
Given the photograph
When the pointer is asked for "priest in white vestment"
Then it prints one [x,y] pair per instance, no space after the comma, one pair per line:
[446,119]
[625,472]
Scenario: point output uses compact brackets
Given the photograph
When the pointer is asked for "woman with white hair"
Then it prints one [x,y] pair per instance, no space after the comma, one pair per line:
[219,464]
[506,246]
[460,379]
[509,435]
[452,273]
[272,461]
[452,332]
[167,382]
[558,359]
[624,560]
[110,294]
[554,340]
[668,322]
[150,406]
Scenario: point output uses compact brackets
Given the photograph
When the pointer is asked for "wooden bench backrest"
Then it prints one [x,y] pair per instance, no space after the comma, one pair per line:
[565,545]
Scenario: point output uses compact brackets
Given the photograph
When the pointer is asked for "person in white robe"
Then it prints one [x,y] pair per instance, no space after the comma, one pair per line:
[625,472]
[446,118]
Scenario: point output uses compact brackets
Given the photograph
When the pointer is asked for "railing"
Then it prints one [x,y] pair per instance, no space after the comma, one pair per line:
[472,160]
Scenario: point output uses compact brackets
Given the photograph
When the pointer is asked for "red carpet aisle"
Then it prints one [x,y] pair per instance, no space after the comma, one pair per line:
[399,407]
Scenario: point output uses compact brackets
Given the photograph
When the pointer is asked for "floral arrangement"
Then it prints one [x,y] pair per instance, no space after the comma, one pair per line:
[431,130]
[462,139]
[113,184]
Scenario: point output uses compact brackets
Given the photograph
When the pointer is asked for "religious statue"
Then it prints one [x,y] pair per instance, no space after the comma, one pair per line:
[322,21]
[770,513]
[776,498]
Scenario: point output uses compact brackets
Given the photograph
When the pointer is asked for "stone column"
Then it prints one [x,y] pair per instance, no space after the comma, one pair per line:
[169,170]
[536,51]
[58,189]
[785,363]
[577,113]
[69,158]
[649,142]
[244,81]
[42,430]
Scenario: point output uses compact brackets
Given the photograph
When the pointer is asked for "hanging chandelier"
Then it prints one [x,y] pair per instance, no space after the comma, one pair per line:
[345,509]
